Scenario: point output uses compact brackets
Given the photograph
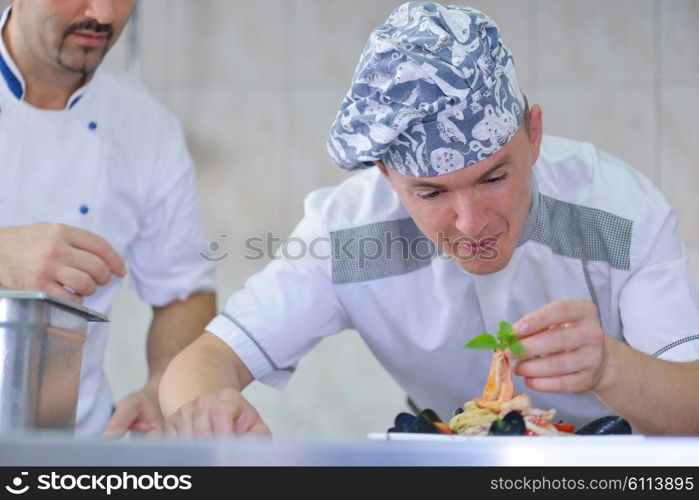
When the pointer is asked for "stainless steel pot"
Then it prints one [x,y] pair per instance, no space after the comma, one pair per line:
[41,341]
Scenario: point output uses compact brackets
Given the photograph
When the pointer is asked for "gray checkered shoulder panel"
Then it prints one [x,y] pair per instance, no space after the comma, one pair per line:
[584,233]
[379,250]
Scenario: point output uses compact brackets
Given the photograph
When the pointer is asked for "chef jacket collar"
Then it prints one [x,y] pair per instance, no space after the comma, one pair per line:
[11,74]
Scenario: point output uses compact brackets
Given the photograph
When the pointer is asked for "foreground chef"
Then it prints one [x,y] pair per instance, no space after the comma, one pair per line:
[96,179]
[575,246]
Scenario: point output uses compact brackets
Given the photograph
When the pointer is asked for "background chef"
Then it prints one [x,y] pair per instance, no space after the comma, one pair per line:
[97,182]
[522,227]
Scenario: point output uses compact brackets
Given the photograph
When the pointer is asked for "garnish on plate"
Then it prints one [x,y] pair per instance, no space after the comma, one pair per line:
[506,339]
[499,410]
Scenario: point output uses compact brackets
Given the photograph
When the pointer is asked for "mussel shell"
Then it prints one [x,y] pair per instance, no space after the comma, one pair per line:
[422,423]
[611,424]
[403,422]
[511,424]
[422,426]
[458,410]
[429,415]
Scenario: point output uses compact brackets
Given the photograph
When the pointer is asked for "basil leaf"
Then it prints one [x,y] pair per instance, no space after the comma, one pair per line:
[516,347]
[509,340]
[505,333]
[482,341]
[506,327]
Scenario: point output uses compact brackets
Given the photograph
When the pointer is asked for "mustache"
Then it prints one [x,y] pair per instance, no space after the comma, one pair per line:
[89,25]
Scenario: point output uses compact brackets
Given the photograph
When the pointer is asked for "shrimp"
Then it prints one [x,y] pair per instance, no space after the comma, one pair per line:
[498,394]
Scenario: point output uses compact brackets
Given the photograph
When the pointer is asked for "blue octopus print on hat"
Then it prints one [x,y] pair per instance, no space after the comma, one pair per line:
[435,91]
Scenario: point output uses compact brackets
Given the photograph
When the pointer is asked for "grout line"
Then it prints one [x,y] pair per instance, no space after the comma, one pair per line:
[534,20]
[658,93]
[598,84]
[288,179]
[680,82]
[168,65]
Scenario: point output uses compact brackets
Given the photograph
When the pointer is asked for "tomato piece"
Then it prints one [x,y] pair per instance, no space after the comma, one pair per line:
[564,427]
[528,432]
[442,428]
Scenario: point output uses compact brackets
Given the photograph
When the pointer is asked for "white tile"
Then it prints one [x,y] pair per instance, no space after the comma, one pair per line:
[238,141]
[328,37]
[680,176]
[313,113]
[514,18]
[119,56]
[618,121]
[186,42]
[680,39]
[125,358]
[156,58]
[595,40]
[694,263]
[230,42]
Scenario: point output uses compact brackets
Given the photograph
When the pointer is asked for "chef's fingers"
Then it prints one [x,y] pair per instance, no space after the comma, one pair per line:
[122,420]
[89,263]
[147,422]
[259,429]
[577,383]
[201,424]
[170,429]
[554,313]
[155,433]
[242,414]
[562,339]
[57,290]
[184,420]
[221,417]
[249,422]
[97,245]
[566,363]
[75,279]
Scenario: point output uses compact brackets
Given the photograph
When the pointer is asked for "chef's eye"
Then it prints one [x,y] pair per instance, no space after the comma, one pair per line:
[495,180]
[428,196]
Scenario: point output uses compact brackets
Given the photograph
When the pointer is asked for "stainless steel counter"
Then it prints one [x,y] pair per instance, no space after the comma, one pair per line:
[55,450]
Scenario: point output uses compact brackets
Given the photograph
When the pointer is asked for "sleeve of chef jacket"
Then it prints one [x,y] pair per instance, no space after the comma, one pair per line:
[286,309]
[659,304]
[165,259]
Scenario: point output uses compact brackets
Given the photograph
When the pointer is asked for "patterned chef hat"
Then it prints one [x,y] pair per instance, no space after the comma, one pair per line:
[435,91]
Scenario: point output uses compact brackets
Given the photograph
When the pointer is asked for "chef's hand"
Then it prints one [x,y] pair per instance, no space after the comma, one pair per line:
[50,257]
[223,413]
[565,347]
[139,412]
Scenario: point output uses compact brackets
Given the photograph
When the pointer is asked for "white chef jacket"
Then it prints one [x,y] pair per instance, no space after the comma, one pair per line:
[597,230]
[114,163]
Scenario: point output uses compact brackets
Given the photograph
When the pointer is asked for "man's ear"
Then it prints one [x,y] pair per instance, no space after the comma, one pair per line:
[382,167]
[536,131]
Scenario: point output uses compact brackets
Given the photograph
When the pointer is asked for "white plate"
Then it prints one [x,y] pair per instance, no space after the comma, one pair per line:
[410,436]
[447,438]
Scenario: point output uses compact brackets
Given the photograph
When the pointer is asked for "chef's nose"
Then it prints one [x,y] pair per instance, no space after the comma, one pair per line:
[102,11]
[471,215]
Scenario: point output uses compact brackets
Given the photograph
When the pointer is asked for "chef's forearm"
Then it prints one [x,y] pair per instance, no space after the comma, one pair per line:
[173,328]
[655,396]
[205,367]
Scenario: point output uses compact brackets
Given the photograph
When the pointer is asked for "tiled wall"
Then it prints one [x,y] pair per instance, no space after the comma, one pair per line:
[257,85]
